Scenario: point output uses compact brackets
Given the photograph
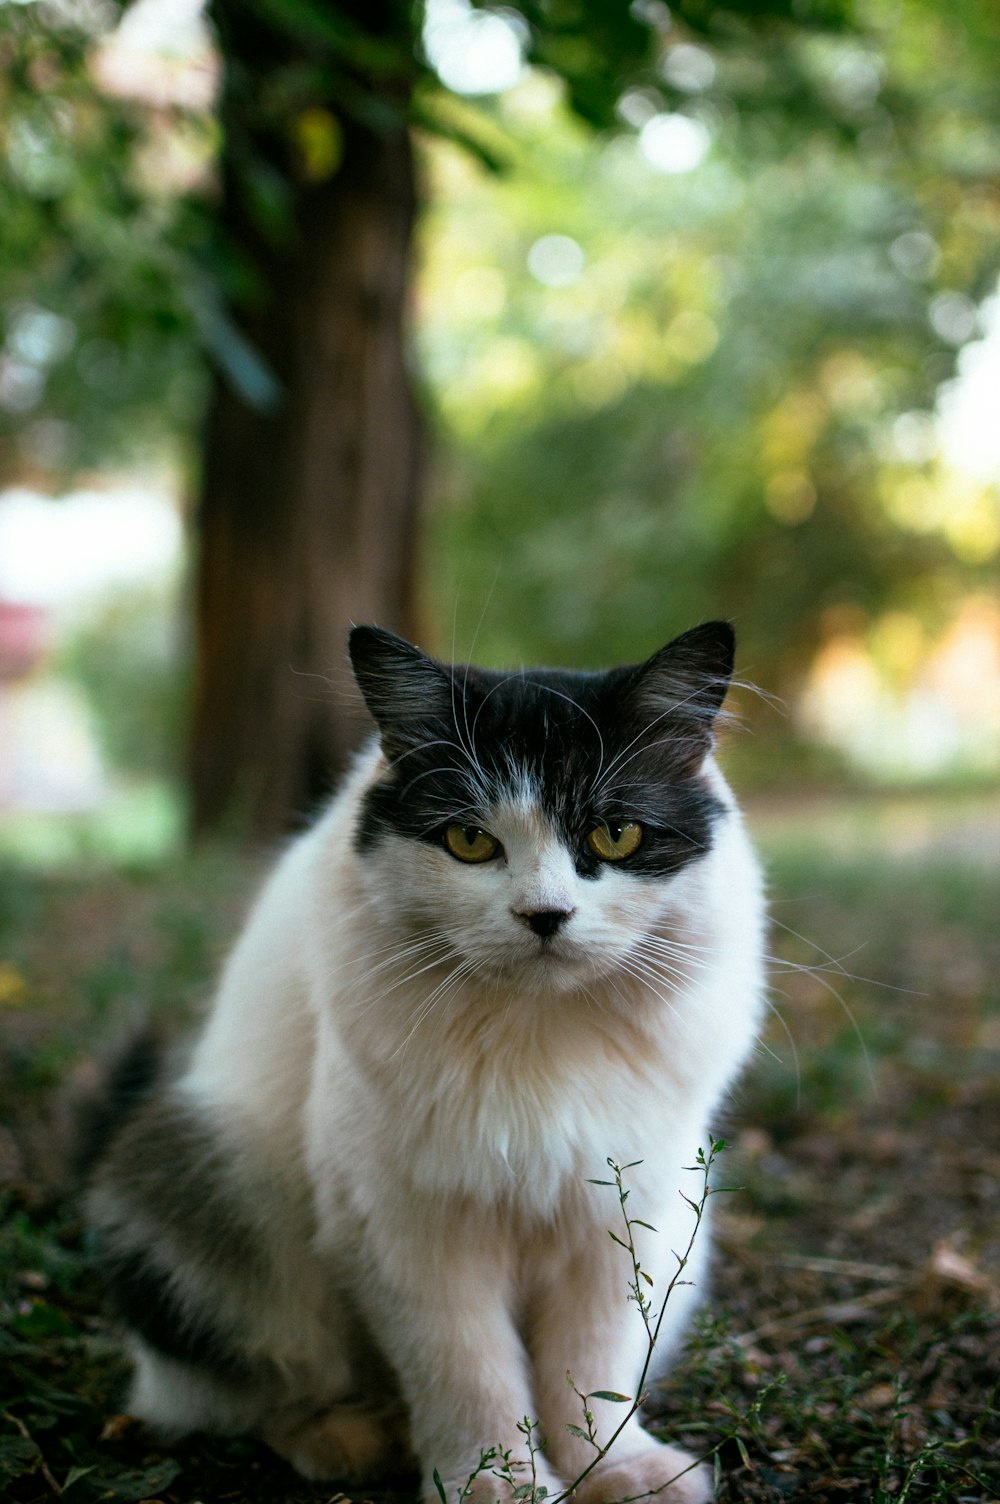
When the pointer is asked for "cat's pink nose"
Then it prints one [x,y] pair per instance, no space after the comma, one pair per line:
[545,922]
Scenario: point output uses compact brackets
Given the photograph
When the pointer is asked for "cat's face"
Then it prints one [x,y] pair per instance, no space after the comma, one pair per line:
[541,823]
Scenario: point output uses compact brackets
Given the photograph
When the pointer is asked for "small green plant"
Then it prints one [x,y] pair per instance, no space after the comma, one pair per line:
[519,1474]
[937,1468]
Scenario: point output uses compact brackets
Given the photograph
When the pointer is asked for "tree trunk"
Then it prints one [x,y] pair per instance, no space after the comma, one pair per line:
[306,520]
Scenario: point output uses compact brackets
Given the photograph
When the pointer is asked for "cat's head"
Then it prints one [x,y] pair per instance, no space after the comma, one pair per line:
[540,821]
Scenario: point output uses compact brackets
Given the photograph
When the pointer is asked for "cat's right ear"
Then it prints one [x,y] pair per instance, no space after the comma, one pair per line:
[405,690]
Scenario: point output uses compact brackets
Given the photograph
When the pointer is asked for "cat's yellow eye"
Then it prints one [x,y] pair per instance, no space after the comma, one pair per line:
[615,841]
[470,844]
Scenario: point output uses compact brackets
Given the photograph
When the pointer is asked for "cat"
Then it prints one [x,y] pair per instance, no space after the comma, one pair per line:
[523,940]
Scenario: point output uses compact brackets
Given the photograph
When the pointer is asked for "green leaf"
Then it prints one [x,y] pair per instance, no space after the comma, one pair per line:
[44,1320]
[638,1222]
[576,1431]
[436,1476]
[444,116]
[610,1394]
[133,1484]
[74,1475]
[18,1455]
[59,1401]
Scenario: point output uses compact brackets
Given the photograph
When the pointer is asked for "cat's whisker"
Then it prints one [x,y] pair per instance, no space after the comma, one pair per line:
[689,958]
[452,813]
[586,993]
[666,989]
[682,947]
[684,968]
[445,954]
[823,980]
[391,954]
[776,1012]
[466,967]
[620,785]
[391,945]
[670,710]
[422,748]
[834,963]
[432,956]
[432,772]
[651,982]
[652,944]
[615,983]
[500,684]
[469,741]
[639,965]
[660,968]
[821,968]
[394,961]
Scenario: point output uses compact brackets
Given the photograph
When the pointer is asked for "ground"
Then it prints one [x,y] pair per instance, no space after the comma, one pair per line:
[850,1349]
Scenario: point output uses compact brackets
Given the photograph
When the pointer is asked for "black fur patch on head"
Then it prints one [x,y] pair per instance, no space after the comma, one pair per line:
[592,748]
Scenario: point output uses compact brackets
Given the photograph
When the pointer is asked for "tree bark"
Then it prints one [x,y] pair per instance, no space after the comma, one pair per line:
[307,514]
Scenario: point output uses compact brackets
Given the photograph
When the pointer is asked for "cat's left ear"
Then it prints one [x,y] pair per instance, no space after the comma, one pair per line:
[405,690]
[681,688]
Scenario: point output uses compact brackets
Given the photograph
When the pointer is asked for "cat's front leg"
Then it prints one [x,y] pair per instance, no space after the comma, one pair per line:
[584,1325]
[443,1293]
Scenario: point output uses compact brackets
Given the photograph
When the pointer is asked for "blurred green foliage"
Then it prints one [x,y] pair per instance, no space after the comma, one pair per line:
[701,415]
[724,408]
[98,258]
[114,276]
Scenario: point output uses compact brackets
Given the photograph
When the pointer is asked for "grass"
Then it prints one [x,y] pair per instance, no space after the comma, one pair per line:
[851,1347]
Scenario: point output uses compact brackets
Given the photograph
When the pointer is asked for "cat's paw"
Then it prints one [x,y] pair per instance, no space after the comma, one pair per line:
[666,1475]
[349,1443]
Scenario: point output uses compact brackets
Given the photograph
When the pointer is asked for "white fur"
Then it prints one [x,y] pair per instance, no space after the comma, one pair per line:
[441,1085]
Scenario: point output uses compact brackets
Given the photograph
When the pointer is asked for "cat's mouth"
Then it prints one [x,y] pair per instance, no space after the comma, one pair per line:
[560,961]
[552,961]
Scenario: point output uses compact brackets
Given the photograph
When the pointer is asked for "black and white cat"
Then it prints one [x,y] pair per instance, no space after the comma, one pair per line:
[524,937]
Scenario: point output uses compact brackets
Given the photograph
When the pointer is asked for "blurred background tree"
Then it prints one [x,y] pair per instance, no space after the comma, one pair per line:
[682,365]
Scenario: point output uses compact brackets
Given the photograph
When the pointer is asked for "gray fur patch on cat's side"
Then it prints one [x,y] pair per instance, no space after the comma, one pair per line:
[171,1167]
[168,1204]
